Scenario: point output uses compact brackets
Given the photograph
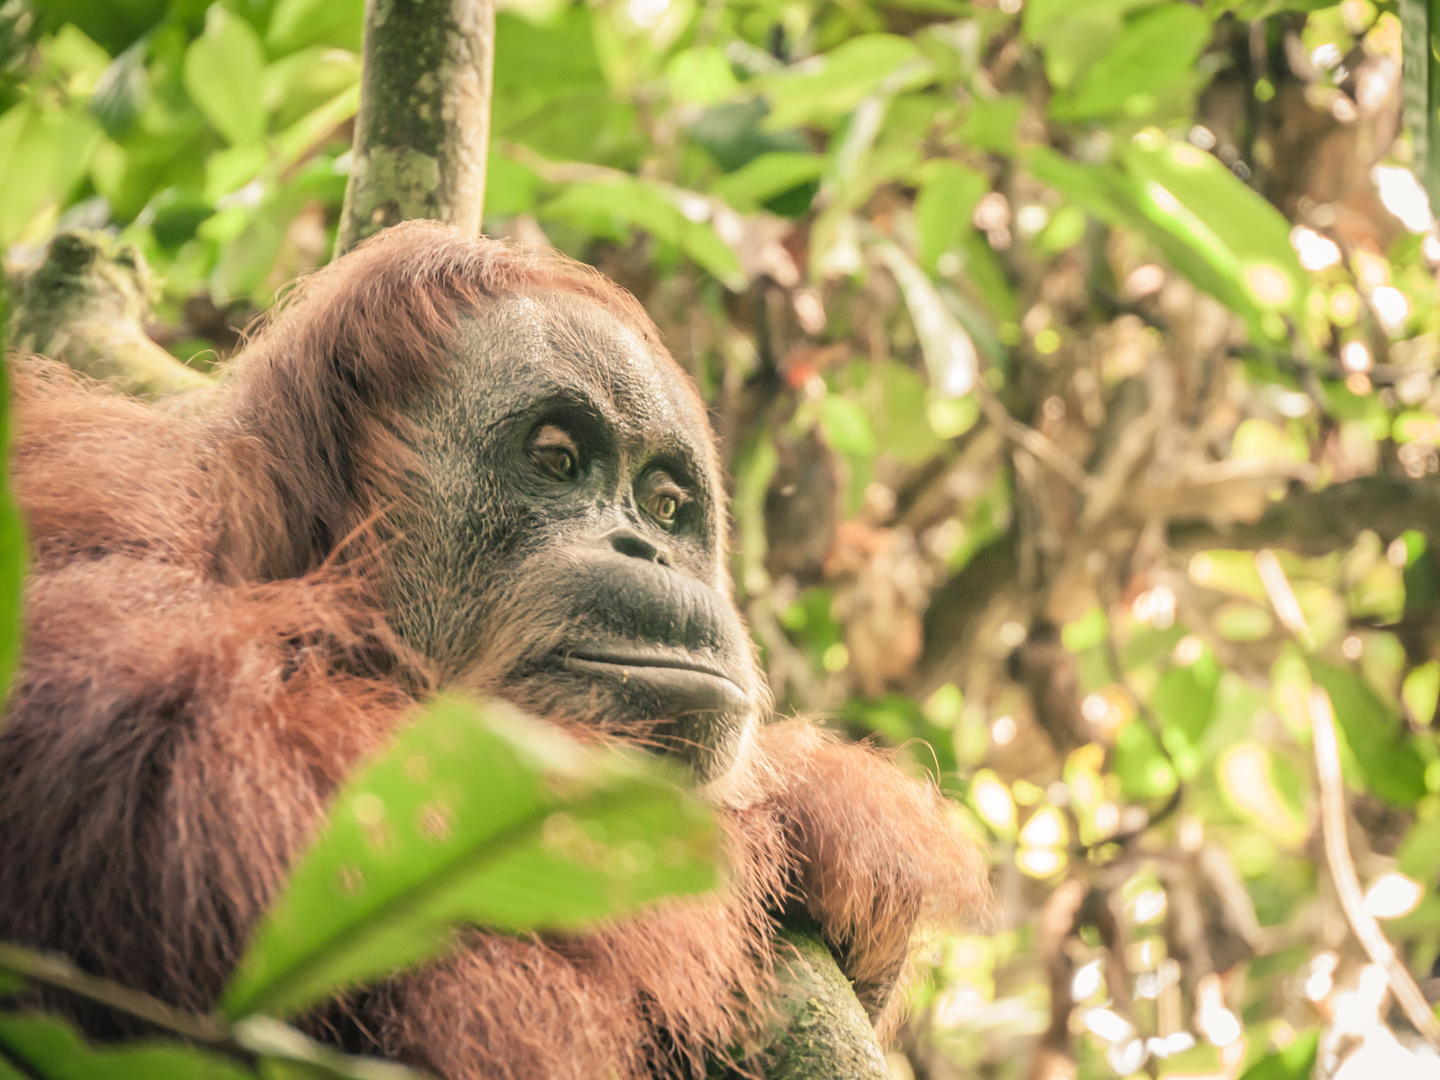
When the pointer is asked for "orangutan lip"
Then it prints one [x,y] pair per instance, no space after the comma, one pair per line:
[657,659]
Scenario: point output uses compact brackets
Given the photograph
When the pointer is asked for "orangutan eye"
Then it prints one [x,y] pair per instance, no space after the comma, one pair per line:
[554,452]
[666,500]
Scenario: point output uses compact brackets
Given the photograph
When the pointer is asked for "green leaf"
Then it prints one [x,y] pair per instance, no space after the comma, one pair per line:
[295,24]
[1184,702]
[50,1049]
[121,91]
[767,176]
[1043,18]
[1391,766]
[1294,1062]
[1155,50]
[991,125]
[550,90]
[1183,699]
[1141,767]
[223,69]
[1255,235]
[305,81]
[826,87]
[302,137]
[949,193]
[1419,854]
[700,76]
[846,426]
[1213,229]
[43,154]
[615,208]
[114,24]
[555,837]
[1073,36]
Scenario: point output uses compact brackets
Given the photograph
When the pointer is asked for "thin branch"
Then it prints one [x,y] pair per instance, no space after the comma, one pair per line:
[1282,596]
[1318,522]
[1023,435]
[60,973]
[246,1040]
[1333,824]
[1333,815]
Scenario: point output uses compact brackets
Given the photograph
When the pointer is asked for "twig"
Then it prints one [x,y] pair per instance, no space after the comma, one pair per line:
[63,975]
[1282,596]
[1023,435]
[246,1040]
[1333,824]
[1347,882]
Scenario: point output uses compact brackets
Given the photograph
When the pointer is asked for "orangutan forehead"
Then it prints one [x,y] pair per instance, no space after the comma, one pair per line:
[522,347]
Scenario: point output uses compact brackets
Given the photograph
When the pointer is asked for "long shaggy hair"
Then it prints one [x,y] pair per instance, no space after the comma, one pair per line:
[205,663]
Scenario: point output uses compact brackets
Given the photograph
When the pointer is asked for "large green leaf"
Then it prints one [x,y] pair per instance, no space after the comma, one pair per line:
[43,153]
[1390,765]
[1213,203]
[825,88]
[1154,51]
[550,90]
[1140,765]
[1213,229]
[223,69]
[475,816]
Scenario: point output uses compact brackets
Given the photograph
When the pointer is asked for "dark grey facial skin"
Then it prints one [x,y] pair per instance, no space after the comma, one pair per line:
[563,548]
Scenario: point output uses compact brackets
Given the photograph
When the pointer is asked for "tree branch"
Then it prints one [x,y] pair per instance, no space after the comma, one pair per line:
[85,305]
[1334,826]
[826,1034]
[61,974]
[1318,522]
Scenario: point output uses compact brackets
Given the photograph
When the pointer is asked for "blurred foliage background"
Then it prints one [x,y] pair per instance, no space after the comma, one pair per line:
[1075,366]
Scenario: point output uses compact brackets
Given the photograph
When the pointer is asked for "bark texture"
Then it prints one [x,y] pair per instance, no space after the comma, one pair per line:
[423,130]
[85,305]
[827,1034]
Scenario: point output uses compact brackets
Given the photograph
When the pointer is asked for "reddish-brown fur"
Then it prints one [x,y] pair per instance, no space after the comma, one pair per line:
[204,664]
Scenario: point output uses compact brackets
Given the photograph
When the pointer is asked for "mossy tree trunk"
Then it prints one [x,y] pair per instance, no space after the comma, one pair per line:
[824,1033]
[423,130]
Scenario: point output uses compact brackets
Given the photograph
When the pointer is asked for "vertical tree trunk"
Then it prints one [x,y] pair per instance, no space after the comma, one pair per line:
[423,130]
